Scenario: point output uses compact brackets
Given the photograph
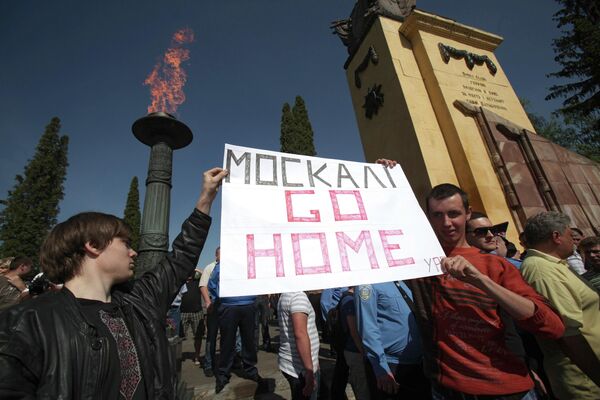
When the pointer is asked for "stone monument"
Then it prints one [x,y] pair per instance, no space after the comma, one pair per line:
[429,92]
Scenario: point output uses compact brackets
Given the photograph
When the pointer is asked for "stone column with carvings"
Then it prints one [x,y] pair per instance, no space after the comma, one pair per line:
[163,133]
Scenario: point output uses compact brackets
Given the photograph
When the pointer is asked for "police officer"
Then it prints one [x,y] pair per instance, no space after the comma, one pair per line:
[391,341]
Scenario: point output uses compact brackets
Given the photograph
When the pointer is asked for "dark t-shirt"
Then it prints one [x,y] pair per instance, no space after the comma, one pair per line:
[346,309]
[123,363]
[191,301]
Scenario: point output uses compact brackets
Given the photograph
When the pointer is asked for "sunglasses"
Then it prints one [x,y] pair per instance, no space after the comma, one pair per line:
[496,230]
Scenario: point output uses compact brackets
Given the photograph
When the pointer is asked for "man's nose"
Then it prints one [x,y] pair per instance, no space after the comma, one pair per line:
[447,220]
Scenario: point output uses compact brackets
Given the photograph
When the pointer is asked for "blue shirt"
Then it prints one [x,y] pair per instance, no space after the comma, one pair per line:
[514,261]
[387,326]
[330,299]
[213,282]
[213,290]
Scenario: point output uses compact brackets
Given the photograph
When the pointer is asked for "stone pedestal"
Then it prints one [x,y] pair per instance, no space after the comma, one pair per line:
[404,81]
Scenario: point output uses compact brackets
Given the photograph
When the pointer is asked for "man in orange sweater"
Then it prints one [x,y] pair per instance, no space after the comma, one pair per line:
[461,312]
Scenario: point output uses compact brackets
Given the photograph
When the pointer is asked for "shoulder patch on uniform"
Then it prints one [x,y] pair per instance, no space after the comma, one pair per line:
[365,292]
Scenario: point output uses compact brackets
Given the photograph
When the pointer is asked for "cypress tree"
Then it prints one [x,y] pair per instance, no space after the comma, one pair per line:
[287,129]
[296,130]
[132,215]
[304,132]
[31,207]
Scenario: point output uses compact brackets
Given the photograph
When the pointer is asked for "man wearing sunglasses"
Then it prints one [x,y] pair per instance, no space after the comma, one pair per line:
[481,233]
[488,238]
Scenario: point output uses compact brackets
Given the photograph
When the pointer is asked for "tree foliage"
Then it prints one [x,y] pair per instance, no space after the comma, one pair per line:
[578,53]
[31,207]
[296,129]
[568,134]
[287,129]
[132,215]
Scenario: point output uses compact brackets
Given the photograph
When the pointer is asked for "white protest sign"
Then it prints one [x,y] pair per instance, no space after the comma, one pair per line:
[291,223]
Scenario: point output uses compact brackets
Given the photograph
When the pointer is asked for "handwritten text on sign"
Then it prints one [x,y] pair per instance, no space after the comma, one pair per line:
[292,222]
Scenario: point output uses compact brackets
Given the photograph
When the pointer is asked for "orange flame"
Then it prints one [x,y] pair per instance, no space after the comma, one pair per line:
[167,79]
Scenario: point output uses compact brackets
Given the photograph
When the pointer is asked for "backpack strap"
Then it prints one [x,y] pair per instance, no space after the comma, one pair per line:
[409,302]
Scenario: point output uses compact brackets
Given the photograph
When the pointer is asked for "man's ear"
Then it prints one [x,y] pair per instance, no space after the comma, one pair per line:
[91,250]
[556,237]
[469,213]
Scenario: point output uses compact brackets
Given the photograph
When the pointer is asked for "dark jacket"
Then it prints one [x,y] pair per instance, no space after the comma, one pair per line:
[48,350]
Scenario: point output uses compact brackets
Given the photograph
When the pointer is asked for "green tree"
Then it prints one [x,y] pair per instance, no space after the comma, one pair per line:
[578,53]
[304,129]
[587,139]
[296,129]
[132,215]
[31,207]
[287,129]
[567,134]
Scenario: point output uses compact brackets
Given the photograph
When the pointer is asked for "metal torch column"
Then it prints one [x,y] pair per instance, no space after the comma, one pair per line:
[154,238]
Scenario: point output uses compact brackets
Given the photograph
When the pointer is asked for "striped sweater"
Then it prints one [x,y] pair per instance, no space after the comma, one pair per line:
[289,359]
[464,335]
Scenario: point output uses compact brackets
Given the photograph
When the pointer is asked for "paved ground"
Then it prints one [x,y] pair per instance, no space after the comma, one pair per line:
[238,388]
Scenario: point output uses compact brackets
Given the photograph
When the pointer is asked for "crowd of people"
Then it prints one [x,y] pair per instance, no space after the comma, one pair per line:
[499,323]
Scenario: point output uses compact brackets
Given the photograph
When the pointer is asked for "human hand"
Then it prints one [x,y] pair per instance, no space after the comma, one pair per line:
[212,180]
[17,282]
[501,249]
[387,163]
[387,383]
[309,383]
[458,267]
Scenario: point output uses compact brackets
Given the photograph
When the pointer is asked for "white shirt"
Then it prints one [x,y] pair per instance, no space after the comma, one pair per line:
[576,262]
[206,274]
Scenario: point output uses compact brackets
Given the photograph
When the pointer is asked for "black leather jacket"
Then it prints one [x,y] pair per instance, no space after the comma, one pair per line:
[48,350]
